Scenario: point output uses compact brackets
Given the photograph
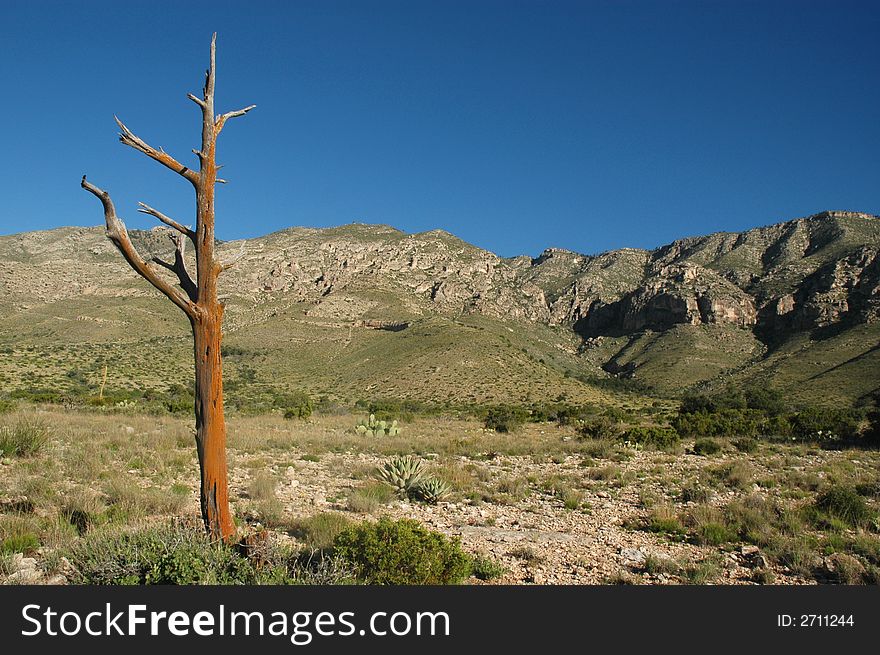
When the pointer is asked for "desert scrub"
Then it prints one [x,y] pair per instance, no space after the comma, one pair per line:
[708,526]
[505,419]
[746,444]
[663,519]
[402,553]
[370,497]
[26,438]
[18,534]
[706,446]
[694,492]
[844,504]
[486,568]
[127,501]
[264,501]
[654,436]
[167,554]
[737,475]
[318,532]
[600,427]
[703,571]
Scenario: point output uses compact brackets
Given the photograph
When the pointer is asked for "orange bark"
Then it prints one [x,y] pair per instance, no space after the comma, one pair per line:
[198,299]
[211,425]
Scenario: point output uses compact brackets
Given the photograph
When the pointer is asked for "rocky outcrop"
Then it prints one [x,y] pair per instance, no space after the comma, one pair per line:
[843,291]
[678,294]
[800,275]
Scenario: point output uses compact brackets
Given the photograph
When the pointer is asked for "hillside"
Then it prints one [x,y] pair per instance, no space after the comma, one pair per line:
[367,311]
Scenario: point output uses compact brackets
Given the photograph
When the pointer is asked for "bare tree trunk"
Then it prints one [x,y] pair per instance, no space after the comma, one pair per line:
[197,298]
[211,427]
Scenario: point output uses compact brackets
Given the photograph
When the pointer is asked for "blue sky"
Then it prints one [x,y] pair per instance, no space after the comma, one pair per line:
[514,125]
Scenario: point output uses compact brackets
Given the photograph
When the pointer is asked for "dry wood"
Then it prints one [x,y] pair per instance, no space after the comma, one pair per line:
[198,299]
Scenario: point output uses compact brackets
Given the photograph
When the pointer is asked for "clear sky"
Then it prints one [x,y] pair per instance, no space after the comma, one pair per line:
[516,125]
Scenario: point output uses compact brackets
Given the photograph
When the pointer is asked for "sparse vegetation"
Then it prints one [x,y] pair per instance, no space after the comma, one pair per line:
[25,438]
[402,553]
[706,447]
[505,419]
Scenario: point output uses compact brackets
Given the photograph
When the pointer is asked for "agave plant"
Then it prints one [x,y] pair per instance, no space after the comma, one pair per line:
[402,473]
[431,490]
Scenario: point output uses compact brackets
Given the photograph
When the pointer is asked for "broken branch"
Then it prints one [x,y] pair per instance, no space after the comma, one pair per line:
[118,234]
[220,121]
[170,222]
[129,138]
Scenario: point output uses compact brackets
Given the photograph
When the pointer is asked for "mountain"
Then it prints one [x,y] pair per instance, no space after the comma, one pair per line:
[367,311]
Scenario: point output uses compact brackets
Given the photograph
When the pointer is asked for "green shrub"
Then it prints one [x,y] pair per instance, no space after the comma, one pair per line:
[505,419]
[714,534]
[746,444]
[370,497]
[663,519]
[656,436]
[19,533]
[721,423]
[694,493]
[6,406]
[402,553]
[26,438]
[600,427]
[706,447]
[169,554]
[485,568]
[765,399]
[297,404]
[319,531]
[824,424]
[844,504]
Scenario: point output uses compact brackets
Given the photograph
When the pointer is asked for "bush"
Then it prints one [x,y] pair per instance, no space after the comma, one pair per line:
[600,427]
[844,504]
[721,423]
[370,497]
[170,554]
[319,531]
[485,568]
[402,553]
[505,419]
[656,436]
[706,447]
[295,405]
[769,401]
[746,444]
[824,424]
[24,439]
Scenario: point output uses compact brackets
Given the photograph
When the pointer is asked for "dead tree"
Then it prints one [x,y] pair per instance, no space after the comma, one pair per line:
[196,298]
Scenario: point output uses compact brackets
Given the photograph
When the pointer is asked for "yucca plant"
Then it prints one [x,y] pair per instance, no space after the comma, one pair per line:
[402,473]
[431,490]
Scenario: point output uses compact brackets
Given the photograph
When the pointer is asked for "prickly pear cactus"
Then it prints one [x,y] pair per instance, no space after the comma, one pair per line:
[373,428]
